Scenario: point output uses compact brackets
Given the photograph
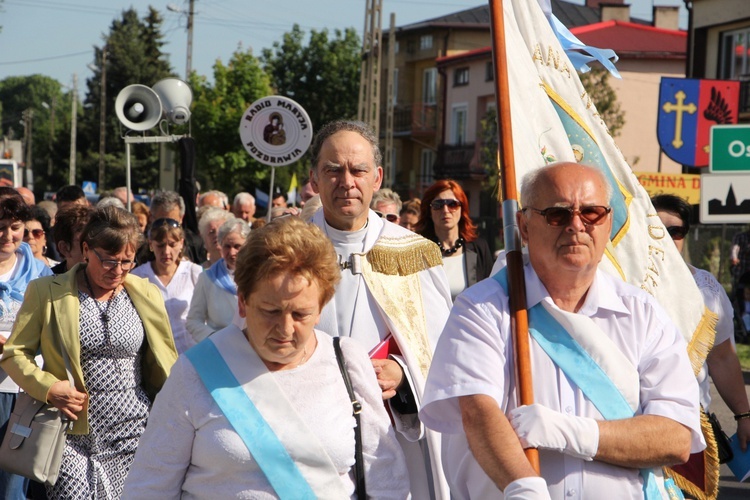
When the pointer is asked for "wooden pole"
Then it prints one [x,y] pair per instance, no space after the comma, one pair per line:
[507,169]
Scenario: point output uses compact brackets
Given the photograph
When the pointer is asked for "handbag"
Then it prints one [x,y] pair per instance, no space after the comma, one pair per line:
[723,446]
[359,464]
[35,437]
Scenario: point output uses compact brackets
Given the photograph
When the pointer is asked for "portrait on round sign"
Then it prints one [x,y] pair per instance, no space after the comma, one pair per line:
[274,133]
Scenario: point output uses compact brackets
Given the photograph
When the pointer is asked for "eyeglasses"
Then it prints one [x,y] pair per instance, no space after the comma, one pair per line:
[561,216]
[163,222]
[389,217]
[109,264]
[677,232]
[438,204]
[36,233]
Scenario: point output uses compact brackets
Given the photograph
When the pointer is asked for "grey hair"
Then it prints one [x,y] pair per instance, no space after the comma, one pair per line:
[242,199]
[532,182]
[210,215]
[222,196]
[167,201]
[233,225]
[110,201]
[334,127]
[387,196]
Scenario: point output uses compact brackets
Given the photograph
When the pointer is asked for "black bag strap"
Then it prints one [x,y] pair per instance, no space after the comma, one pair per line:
[359,464]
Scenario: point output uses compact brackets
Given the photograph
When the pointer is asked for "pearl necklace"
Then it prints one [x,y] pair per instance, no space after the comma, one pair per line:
[450,251]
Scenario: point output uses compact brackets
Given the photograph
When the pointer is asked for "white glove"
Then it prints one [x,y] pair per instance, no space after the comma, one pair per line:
[539,427]
[527,488]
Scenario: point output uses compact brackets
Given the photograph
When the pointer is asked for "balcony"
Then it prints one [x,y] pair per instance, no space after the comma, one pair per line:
[458,162]
[745,97]
[414,119]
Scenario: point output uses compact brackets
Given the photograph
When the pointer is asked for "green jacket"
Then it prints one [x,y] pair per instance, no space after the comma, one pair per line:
[50,314]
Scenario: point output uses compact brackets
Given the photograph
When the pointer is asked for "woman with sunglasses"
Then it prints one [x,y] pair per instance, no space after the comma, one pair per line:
[116,334]
[444,219]
[35,234]
[173,275]
[17,268]
[722,363]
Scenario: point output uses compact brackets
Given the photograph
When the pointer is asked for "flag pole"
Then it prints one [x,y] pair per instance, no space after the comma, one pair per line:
[507,179]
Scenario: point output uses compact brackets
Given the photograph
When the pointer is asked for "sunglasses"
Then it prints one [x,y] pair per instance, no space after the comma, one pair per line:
[163,222]
[438,205]
[677,232]
[561,216]
[36,233]
[389,217]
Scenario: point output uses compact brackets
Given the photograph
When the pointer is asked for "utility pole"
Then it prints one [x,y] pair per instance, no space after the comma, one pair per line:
[390,94]
[191,13]
[73,131]
[369,79]
[102,117]
[28,115]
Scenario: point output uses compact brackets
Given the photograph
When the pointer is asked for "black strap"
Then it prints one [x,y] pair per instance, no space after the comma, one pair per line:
[359,464]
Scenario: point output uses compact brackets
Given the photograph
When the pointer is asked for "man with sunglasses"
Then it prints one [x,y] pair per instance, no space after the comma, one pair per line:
[721,363]
[393,296]
[614,394]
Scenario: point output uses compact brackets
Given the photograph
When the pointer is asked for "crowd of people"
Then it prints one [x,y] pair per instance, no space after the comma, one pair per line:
[358,347]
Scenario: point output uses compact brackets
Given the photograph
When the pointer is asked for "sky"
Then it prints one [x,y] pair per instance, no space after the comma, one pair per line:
[56,38]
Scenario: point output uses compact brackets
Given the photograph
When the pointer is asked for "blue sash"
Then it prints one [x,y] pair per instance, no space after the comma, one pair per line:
[582,370]
[272,458]
[219,274]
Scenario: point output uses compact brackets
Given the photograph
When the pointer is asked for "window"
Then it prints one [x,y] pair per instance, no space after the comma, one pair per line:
[428,159]
[735,54]
[489,72]
[425,42]
[461,77]
[396,47]
[390,174]
[429,86]
[458,124]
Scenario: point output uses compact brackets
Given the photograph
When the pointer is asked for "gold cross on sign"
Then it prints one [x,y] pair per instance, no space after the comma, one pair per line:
[679,108]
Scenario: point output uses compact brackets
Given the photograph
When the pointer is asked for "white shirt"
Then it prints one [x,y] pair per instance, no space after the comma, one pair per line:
[177,297]
[211,309]
[475,356]
[190,450]
[716,300]
[456,272]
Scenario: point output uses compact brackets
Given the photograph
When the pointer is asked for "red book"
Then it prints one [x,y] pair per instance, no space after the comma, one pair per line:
[384,348]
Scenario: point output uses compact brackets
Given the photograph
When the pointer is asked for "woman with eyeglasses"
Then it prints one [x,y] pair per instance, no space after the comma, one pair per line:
[444,219]
[214,305]
[35,234]
[721,363]
[17,268]
[116,334]
[173,275]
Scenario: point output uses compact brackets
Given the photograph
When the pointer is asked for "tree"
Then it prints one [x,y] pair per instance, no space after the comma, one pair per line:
[596,83]
[322,76]
[222,161]
[133,55]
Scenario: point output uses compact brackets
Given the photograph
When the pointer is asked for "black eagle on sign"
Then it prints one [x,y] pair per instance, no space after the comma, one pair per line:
[718,110]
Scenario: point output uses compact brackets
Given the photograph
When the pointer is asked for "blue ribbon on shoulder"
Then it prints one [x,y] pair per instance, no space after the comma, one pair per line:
[219,274]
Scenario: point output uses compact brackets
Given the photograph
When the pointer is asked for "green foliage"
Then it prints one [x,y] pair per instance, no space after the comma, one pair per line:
[743,353]
[488,149]
[222,161]
[322,76]
[133,55]
[596,83]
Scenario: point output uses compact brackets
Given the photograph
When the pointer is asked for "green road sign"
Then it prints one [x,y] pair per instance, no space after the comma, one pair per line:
[730,149]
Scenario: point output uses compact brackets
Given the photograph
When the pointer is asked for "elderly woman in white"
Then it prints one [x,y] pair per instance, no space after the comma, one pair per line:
[274,385]
[214,303]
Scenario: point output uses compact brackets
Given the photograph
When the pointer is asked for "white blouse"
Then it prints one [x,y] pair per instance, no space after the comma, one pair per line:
[177,297]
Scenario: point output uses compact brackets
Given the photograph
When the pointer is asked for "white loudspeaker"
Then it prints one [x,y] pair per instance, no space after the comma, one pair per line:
[176,98]
[138,107]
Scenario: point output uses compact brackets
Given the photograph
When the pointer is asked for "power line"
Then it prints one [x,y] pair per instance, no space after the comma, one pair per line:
[50,58]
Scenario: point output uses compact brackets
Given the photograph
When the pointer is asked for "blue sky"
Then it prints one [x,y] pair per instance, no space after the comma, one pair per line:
[56,38]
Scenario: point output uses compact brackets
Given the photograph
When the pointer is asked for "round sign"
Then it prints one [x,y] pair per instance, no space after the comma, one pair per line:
[275,130]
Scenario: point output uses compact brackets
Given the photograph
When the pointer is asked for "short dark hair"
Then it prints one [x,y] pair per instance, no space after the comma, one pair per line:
[70,221]
[337,126]
[112,229]
[40,215]
[14,208]
[69,193]
[676,205]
